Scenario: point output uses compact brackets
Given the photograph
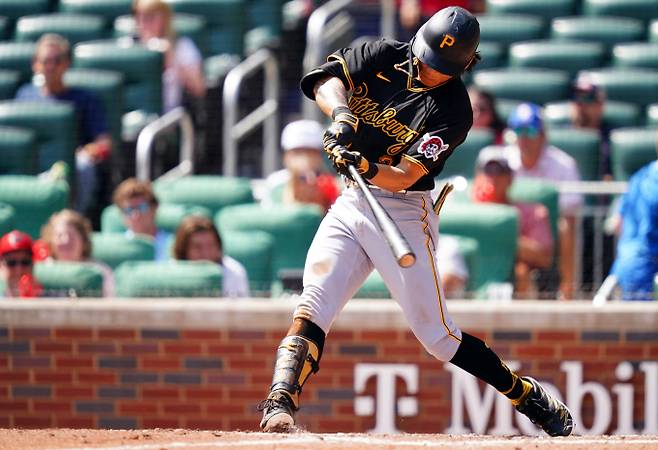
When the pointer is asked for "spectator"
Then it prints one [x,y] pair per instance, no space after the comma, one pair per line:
[67,237]
[16,265]
[485,114]
[139,205]
[534,250]
[532,157]
[414,13]
[452,267]
[182,59]
[51,60]
[636,262]
[303,178]
[197,239]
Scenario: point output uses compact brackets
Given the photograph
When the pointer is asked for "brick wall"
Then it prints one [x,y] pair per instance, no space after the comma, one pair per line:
[196,364]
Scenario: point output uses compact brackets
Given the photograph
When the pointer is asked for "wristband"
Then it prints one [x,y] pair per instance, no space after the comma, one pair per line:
[340,110]
[371,171]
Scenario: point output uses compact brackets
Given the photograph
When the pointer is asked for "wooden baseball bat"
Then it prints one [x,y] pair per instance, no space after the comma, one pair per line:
[398,244]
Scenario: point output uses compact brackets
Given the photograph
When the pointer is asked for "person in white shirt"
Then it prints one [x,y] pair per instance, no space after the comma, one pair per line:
[532,157]
[197,239]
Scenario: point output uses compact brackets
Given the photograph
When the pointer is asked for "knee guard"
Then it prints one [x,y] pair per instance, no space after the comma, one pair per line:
[296,359]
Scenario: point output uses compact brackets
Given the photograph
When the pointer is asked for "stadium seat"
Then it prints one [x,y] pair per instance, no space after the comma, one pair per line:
[226,22]
[8,83]
[6,218]
[255,251]
[635,55]
[107,85]
[494,55]
[546,9]
[18,56]
[534,85]
[652,115]
[291,227]
[583,145]
[639,9]
[630,149]
[34,200]
[462,161]
[69,279]
[567,56]
[141,68]
[635,85]
[168,279]
[54,126]
[494,227]
[115,248]
[190,25]
[653,31]
[212,192]
[74,27]
[216,67]
[605,30]
[4,28]
[505,107]
[13,9]
[168,217]
[265,17]
[615,114]
[18,151]
[506,29]
[107,9]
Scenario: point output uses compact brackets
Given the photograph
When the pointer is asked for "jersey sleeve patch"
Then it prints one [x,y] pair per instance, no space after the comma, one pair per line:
[431,147]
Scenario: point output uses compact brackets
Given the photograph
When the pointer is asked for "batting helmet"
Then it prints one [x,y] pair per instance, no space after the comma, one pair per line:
[448,40]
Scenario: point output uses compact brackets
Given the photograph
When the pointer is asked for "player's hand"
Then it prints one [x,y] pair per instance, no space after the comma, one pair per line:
[342,129]
[341,157]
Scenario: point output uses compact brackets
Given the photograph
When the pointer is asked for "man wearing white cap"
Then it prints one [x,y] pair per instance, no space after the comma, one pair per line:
[304,178]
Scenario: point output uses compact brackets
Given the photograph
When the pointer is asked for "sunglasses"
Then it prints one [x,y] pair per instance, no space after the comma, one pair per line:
[141,208]
[528,132]
[56,60]
[18,262]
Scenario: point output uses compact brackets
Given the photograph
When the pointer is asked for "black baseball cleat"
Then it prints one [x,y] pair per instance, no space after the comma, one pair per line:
[546,411]
[278,413]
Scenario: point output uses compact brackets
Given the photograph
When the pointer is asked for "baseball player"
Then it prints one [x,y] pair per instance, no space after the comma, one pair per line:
[399,110]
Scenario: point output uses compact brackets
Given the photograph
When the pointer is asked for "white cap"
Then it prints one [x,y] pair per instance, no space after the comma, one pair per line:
[302,134]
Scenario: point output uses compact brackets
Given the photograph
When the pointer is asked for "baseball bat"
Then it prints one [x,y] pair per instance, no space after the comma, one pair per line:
[398,244]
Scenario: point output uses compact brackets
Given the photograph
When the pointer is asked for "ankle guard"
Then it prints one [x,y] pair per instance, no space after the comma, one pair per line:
[296,359]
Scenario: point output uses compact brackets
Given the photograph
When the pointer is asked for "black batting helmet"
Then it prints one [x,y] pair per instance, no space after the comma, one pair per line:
[448,40]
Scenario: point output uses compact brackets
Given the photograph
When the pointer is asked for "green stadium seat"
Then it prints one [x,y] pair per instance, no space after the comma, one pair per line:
[630,149]
[107,9]
[212,192]
[6,218]
[583,145]
[34,200]
[494,227]
[226,22]
[494,55]
[291,227]
[546,9]
[116,248]
[74,27]
[168,217]
[9,80]
[255,251]
[4,28]
[18,151]
[533,85]
[13,9]
[18,56]
[608,31]
[54,126]
[653,31]
[141,68]
[635,85]
[190,25]
[567,56]
[265,17]
[652,115]
[168,279]
[107,85]
[639,9]
[615,114]
[462,161]
[216,67]
[69,279]
[506,29]
[505,107]
[635,55]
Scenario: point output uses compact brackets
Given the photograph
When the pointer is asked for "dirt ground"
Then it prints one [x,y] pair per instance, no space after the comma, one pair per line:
[160,439]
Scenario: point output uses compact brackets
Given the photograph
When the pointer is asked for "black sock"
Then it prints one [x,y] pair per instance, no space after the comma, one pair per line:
[476,358]
[314,333]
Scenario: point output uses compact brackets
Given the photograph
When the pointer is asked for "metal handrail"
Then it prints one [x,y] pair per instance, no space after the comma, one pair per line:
[235,129]
[177,116]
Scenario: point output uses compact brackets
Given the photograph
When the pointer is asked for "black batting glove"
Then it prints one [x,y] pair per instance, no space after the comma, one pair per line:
[341,158]
[343,128]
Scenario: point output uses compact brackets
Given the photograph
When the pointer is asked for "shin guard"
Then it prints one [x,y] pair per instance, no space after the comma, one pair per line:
[296,359]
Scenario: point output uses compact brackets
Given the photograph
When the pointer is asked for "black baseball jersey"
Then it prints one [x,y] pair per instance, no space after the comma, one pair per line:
[398,116]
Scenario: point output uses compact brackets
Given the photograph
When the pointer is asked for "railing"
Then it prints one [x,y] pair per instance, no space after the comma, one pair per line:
[177,116]
[267,114]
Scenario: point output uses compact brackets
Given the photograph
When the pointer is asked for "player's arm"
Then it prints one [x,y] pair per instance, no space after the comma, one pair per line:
[330,93]
[397,178]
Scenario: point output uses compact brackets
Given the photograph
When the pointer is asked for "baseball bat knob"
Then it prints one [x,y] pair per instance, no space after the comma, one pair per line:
[407,260]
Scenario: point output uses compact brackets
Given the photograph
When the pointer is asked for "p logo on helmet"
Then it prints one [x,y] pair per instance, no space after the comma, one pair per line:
[447,40]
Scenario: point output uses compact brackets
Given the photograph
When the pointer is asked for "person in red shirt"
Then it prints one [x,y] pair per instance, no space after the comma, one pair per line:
[16,265]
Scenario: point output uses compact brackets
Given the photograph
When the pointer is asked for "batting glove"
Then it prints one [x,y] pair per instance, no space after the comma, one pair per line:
[342,157]
[342,129]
